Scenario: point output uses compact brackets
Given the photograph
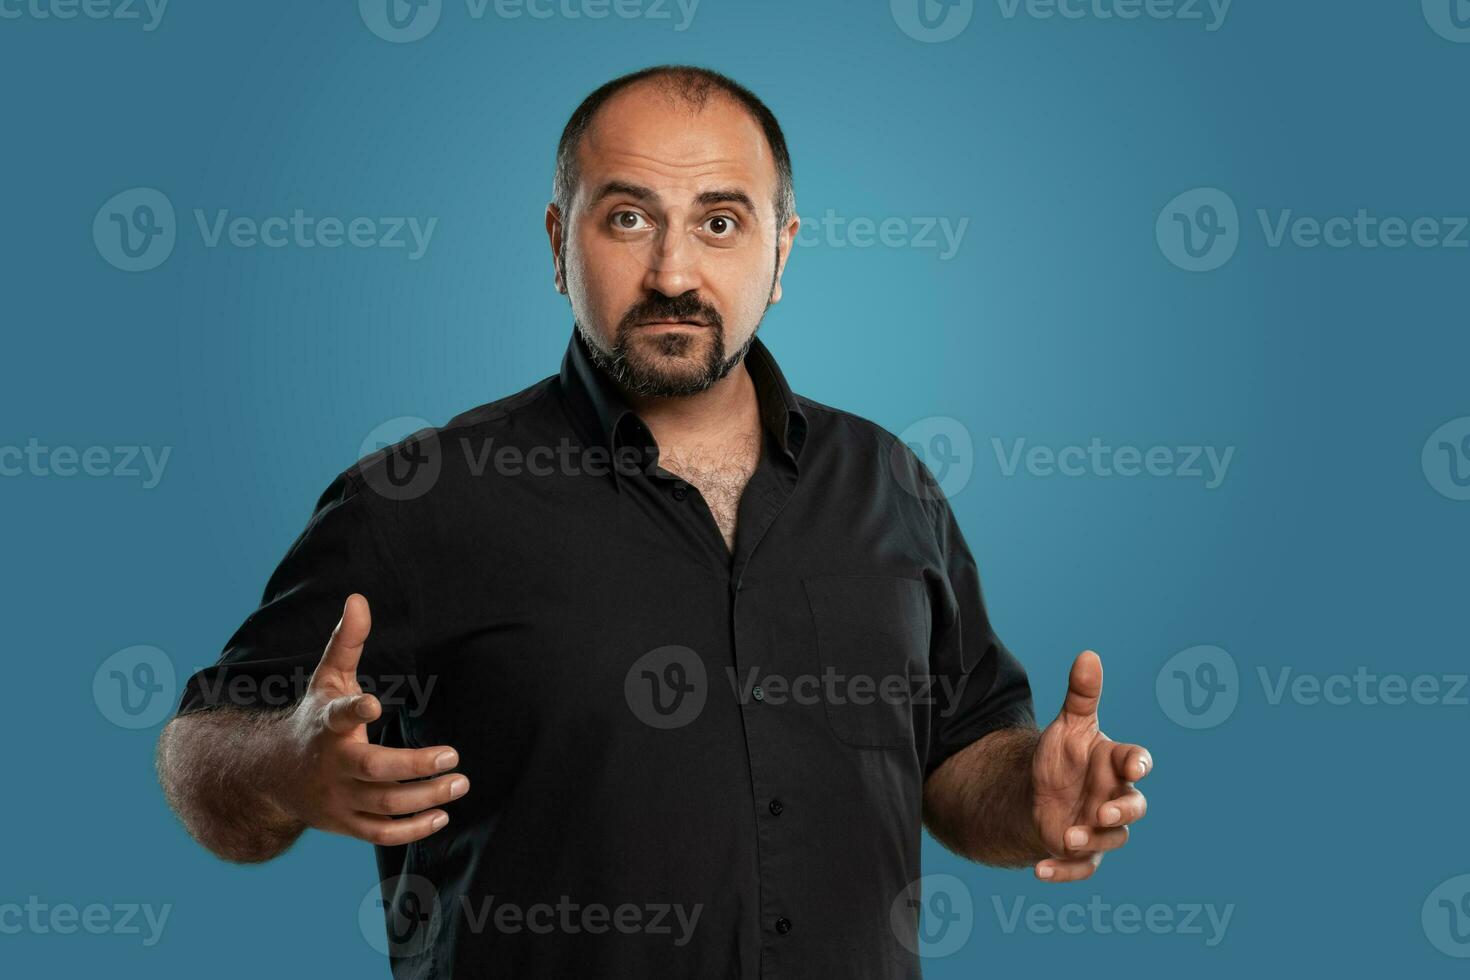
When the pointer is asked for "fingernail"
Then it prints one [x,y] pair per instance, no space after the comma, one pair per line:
[1109,814]
[458,786]
[439,821]
[1045,872]
[362,707]
[446,760]
[1076,837]
[1142,767]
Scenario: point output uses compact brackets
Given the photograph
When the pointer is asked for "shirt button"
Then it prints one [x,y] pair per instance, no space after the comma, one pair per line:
[680,493]
[776,807]
[758,694]
[783,925]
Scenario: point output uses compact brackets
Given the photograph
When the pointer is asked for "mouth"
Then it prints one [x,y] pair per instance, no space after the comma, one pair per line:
[671,323]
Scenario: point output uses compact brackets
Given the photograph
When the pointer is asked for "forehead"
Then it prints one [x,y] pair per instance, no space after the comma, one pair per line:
[648,137]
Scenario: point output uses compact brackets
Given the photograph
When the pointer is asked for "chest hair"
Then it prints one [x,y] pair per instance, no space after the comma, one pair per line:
[720,473]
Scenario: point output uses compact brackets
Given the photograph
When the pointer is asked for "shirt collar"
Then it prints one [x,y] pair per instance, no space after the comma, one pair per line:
[605,417]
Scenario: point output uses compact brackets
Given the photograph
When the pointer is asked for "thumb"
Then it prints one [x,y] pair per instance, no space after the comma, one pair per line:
[344,648]
[1084,686]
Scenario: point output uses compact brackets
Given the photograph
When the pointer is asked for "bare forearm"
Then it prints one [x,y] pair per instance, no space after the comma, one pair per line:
[979,802]
[215,767]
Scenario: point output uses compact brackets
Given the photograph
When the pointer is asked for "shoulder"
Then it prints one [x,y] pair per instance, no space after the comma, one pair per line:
[411,465]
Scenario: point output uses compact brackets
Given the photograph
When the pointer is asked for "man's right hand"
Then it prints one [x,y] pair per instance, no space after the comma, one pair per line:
[334,778]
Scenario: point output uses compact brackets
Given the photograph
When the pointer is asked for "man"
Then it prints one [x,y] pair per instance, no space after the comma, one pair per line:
[688,655]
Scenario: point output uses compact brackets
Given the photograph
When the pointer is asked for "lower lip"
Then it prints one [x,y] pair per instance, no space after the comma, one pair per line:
[671,326]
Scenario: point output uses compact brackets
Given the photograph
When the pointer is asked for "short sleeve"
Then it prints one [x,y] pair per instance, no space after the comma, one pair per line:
[269,660]
[978,686]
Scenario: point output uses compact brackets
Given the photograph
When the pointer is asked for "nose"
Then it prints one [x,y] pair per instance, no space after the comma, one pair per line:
[673,263]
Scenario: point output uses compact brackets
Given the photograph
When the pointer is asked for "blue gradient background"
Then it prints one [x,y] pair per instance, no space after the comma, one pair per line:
[1058,320]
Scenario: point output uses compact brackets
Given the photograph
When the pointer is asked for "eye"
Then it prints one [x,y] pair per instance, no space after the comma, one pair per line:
[627,220]
[722,225]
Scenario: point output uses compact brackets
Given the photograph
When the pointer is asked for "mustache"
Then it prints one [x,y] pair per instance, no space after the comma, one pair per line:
[686,306]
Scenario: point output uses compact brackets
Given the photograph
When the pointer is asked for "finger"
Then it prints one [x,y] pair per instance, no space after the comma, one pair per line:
[344,648]
[1084,686]
[1063,869]
[349,712]
[1131,761]
[1125,809]
[379,763]
[1103,784]
[392,831]
[396,798]
[1083,840]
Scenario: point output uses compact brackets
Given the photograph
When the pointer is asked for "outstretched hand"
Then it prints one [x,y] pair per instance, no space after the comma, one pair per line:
[1084,798]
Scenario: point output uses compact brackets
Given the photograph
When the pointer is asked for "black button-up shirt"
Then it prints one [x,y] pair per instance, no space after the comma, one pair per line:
[684,761]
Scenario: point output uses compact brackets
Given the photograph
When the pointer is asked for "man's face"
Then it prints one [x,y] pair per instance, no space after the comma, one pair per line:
[673,220]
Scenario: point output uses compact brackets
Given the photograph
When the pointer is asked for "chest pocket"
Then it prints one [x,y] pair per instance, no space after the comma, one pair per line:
[872,639]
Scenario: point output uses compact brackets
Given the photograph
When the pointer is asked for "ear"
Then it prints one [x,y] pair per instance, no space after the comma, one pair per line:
[555,234]
[786,237]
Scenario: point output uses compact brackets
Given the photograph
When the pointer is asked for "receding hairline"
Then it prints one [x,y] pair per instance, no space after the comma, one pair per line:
[629,187]
[684,86]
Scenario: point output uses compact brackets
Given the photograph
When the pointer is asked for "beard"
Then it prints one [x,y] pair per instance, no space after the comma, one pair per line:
[673,363]
[665,363]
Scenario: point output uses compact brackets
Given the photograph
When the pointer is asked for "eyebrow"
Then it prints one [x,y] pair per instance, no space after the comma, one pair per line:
[724,195]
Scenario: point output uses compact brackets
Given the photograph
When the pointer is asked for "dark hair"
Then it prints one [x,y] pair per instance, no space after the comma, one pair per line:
[694,86]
